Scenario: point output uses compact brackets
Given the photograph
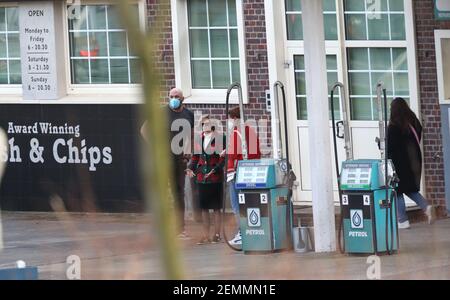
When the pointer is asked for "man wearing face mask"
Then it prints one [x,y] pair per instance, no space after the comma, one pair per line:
[178,114]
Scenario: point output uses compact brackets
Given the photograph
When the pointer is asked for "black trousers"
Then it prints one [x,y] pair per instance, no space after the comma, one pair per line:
[179,167]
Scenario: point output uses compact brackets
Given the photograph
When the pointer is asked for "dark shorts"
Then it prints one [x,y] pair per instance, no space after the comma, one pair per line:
[210,195]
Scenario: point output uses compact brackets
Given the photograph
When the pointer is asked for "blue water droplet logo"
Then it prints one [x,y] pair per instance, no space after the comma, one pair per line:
[254,218]
[356,219]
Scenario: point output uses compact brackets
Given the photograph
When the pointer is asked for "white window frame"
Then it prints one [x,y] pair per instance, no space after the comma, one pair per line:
[409,44]
[439,35]
[301,52]
[296,43]
[182,58]
[370,72]
[11,91]
[297,47]
[279,60]
[113,93]
[342,45]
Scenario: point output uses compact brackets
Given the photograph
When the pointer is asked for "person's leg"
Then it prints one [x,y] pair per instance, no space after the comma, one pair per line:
[180,168]
[423,204]
[419,199]
[206,223]
[217,226]
[195,201]
[217,222]
[237,239]
[234,202]
[401,209]
[205,228]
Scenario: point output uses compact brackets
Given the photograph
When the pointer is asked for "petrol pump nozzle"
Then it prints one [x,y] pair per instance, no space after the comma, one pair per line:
[279,85]
[344,104]
[381,141]
[238,86]
[383,124]
[290,176]
[345,119]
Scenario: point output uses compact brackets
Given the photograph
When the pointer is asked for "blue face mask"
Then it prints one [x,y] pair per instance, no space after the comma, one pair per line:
[174,103]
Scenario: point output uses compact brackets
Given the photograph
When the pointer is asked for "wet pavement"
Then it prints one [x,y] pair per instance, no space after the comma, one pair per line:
[123,246]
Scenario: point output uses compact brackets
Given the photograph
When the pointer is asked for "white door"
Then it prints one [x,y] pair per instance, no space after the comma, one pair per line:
[363,131]
[362,47]
[296,94]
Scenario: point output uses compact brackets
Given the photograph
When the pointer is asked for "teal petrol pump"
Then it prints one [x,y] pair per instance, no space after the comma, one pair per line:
[366,190]
[264,188]
[264,205]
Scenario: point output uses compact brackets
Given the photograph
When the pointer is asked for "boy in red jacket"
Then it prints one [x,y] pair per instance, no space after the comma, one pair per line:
[235,155]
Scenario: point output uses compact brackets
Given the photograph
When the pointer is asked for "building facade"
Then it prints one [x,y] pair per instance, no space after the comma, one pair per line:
[207,45]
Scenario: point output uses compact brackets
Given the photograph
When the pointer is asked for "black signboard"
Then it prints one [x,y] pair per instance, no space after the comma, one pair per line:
[86,154]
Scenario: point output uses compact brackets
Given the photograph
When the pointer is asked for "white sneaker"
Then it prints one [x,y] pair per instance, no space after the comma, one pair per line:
[183,236]
[430,214]
[237,240]
[404,225]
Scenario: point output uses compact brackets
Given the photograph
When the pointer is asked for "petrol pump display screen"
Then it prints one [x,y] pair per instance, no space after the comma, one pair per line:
[255,176]
[356,175]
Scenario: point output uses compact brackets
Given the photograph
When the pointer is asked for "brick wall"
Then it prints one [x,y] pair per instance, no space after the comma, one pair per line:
[258,78]
[429,99]
[256,50]
[158,10]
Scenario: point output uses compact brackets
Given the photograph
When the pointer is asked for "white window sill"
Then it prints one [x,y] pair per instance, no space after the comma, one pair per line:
[214,97]
[123,96]
[97,98]
[83,89]
[11,90]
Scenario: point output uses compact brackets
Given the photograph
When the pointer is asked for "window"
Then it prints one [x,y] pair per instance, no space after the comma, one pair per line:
[368,66]
[214,45]
[98,48]
[294,19]
[300,85]
[376,48]
[10,69]
[209,49]
[442,42]
[374,20]
[368,22]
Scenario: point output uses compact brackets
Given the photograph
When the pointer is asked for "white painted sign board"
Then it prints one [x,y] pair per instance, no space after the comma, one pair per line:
[40,54]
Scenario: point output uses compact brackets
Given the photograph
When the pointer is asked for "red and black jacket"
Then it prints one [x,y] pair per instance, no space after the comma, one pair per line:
[208,160]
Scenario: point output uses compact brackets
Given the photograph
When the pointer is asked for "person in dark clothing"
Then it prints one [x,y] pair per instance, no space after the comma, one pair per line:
[207,167]
[179,113]
[404,135]
[179,118]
